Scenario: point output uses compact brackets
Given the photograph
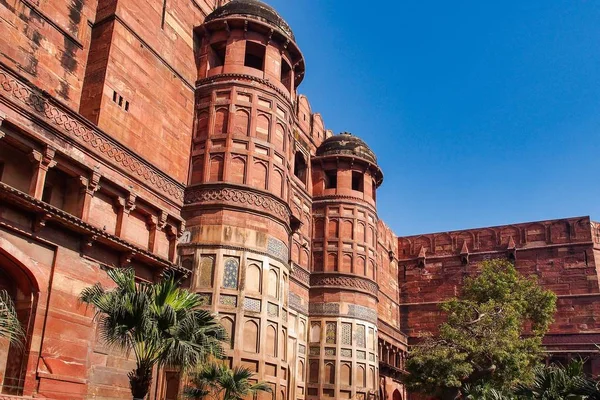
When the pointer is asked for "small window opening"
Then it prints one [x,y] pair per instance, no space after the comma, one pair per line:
[286,74]
[114,96]
[357,181]
[331,179]
[217,55]
[120,101]
[255,55]
[127,106]
[300,167]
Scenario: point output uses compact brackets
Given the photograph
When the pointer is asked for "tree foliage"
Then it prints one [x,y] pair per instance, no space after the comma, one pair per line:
[492,335]
[159,323]
[217,381]
[10,327]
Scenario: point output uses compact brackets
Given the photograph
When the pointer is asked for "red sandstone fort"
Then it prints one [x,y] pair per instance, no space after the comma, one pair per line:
[169,135]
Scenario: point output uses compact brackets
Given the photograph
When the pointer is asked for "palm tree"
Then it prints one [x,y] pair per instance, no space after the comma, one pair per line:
[478,392]
[10,327]
[224,383]
[160,323]
[555,382]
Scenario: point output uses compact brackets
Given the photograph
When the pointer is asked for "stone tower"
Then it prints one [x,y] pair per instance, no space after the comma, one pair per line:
[343,283]
[236,206]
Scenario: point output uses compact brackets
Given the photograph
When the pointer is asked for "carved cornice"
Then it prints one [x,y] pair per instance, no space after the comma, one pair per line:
[244,77]
[220,245]
[72,125]
[238,197]
[46,212]
[336,310]
[300,275]
[344,281]
[357,201]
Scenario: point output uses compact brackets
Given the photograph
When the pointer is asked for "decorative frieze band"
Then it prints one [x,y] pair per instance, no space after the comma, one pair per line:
[300,274]
[335,310]
[344,281]
[237,197]
[92,138]
[242,77]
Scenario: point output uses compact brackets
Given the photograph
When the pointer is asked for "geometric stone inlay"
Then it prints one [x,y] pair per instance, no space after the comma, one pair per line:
[330,333]
[230,273]
[272,310]
[252,305]
[346,334]
[360,336]
[228,300]
[277,249]
[346,353]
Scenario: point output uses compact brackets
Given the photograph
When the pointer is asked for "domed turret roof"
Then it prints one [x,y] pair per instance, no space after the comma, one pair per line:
[346,144]
[254,9]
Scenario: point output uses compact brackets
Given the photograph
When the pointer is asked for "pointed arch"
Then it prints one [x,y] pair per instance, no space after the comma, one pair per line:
[271,341]
[251,336]
[237,169]
[254,279]
[241,122]
[259,175]
[221,121]
[263,127]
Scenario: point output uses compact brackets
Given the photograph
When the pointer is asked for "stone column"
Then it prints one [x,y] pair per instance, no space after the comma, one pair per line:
[88,189]
[126,206]
[42,162]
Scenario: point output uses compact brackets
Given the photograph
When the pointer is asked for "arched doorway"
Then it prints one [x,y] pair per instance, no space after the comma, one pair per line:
[396,395]
[23,291]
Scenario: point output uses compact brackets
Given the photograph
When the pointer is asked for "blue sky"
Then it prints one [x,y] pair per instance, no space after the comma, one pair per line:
[481,113]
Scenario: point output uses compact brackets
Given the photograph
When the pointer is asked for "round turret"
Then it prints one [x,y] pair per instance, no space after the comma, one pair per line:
[252,9]
[347,144]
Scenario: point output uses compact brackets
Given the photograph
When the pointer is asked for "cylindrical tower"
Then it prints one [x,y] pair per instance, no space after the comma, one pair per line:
[236,205]
[343,360]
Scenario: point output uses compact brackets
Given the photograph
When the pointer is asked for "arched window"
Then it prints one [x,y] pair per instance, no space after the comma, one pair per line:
[273,290]
[271,341]
[250,336]
[254,279]
[22,291]
[230,273]
[300,167]
[315,333]
[330,373]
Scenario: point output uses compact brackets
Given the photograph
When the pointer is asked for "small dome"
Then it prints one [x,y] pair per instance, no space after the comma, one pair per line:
[346,144]
[254,9]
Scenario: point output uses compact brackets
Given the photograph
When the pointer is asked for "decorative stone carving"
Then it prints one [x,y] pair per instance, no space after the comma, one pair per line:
[237,196]
[352,282]
[91,138]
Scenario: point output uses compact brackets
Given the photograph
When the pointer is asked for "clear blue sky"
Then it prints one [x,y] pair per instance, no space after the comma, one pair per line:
[481,113]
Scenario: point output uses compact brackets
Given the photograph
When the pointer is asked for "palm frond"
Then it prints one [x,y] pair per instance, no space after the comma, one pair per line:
[10,326]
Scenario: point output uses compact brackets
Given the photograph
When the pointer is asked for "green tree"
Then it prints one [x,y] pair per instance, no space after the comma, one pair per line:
[555,382]
[10,327]
[220,382]
[159,322]
[492,336]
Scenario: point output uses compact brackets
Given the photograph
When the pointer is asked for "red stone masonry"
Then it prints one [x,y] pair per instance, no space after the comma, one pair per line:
[562,254]
[170,135]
